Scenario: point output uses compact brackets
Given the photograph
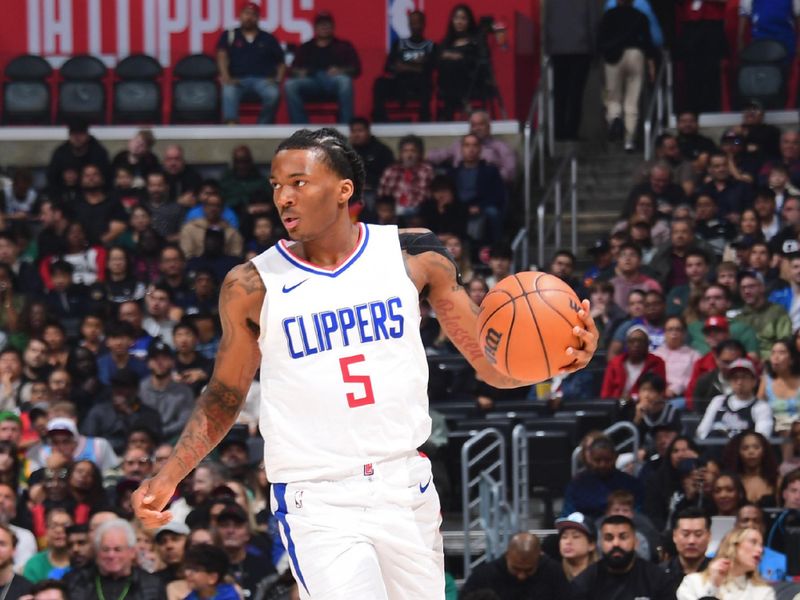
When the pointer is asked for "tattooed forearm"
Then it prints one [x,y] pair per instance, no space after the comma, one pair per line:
[462,337]
[214,414]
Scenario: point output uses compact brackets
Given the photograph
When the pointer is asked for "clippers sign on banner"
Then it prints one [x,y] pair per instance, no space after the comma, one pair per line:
[171,29]
[397,18]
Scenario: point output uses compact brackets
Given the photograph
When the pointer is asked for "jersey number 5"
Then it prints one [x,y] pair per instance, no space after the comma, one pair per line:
[364,380]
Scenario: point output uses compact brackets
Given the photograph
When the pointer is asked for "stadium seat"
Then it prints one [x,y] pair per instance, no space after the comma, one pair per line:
[323,108]
[549,454]
[762,74]
[26,94]
[137,96]
[82,94]
[567,426]
[195,94]
[587,420]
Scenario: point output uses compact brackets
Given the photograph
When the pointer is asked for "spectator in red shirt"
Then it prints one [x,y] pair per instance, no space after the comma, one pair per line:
[408,180]
[621,380]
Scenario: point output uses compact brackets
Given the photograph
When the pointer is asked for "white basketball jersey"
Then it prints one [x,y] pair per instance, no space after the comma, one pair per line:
[343,370]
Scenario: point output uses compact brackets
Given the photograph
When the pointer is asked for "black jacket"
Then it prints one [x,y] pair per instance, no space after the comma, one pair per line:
[63,157]
[621,28]
[547,582]
[145,586]
[644,580]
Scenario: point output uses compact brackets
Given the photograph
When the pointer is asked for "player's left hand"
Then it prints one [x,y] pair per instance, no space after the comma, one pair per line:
[588,336]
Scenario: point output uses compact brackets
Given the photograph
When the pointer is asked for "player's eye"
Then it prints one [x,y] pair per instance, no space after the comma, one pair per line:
[300,183]
[275,185]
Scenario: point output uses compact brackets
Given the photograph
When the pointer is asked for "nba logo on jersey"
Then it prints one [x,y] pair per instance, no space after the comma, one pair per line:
[368,470]
[397,18]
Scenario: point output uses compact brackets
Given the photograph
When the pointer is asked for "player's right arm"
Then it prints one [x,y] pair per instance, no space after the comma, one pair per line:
[216,410]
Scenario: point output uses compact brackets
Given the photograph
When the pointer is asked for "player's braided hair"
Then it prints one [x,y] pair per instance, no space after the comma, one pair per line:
[337,154]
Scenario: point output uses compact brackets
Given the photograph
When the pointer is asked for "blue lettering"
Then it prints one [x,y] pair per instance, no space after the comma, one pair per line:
[286,323]
[362,323]
[308,350]
[378,312]
[318,330]
[396,317]
[329,325]
[347,320]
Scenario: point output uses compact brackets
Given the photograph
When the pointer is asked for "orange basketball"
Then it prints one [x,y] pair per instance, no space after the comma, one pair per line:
[526,323]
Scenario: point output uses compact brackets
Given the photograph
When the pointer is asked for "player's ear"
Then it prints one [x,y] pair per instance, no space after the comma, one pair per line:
[346,190]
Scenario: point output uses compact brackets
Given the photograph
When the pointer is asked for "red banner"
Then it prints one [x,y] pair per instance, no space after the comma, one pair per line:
[171,29]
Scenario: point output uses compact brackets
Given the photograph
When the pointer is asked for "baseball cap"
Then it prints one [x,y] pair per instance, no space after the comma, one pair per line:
[742,363]
[636,328]
[732,136]
[323,16]
[8,415]
[62,424]
[790,247]
[716,323]
[176,527]
[599,247]
[233,512]
[158,348]
[252,6]
[237,435]
[743,241]
[576,520]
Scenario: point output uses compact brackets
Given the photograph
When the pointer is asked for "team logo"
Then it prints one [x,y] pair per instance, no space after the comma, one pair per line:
[574,305]
[493,339]
[397,18]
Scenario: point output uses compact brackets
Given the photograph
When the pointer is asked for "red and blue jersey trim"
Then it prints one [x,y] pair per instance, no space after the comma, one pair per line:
[363,238]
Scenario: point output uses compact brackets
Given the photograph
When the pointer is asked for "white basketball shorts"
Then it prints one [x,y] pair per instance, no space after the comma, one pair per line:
[371,535]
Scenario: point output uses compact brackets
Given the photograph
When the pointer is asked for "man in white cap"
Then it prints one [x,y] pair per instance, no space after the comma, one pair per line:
[170,545]
[729,414]
[64,441]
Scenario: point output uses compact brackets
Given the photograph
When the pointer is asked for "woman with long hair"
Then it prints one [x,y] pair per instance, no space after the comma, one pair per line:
[85,483]
[458,60]
[121,285]
[780,384]
[733,574]
[667,481]
[727,494]
[750,456]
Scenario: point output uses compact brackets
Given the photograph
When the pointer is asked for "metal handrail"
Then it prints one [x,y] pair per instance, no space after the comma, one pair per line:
[633,440]
[554,194]
[533,149]
[655,117]
[471,485]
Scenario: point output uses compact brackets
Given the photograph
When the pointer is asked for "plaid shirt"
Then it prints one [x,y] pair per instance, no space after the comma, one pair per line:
[408,187]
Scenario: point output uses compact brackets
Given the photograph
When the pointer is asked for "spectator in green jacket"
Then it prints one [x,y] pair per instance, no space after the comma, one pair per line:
[770,321]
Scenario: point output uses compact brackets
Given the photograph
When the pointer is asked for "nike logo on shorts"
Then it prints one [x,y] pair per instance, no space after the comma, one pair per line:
[423,489]
[286,290]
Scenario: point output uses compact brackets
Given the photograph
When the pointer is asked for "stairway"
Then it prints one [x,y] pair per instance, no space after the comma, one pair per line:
[606,175]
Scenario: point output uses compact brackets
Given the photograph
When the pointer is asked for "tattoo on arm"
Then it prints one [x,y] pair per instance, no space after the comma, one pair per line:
[213,415]
[218,407]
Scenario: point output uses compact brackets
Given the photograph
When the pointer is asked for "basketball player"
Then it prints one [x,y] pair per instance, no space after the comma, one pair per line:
[332,320]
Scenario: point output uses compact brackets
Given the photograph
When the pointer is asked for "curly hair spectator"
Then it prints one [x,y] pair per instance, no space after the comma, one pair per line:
[750,456]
